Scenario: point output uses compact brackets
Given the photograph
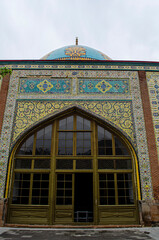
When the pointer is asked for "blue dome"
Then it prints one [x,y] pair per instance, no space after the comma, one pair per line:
[76,52]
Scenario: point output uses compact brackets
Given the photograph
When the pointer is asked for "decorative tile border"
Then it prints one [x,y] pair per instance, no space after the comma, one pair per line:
[103,86]
[143,158]
[48,66]
[153,87]
[45,85]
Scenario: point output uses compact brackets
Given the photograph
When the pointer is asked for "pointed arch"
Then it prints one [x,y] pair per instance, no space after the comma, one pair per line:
[101,144]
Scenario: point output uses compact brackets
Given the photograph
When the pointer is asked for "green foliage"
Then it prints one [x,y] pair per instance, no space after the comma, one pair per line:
[4,71]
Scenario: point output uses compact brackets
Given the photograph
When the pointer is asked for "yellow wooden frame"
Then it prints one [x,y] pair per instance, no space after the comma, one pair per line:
[94,156]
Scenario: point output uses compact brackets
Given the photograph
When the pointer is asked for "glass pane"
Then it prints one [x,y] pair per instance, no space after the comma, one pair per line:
[87,124]
[62,135]
[120,149]
[65,146]
[21,188]
[44,201]
[27,147]
[105,164]
[66,124]
[123,164]
[68,201]
[23,163]
[40,189]
[111,201]
[69,144]
[83,124]
[104,142]
[64,189]
[48,132]
[84,164]
[107,189]
[42,164]
[43,141]
[69,123]
[60,177]
[64,164]
[79,123]
[125,188]
[62,124]
[40,134]
[83,144]
[87,135]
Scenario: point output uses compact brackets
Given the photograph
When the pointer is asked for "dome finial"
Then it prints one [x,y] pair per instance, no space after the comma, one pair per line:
[76,40]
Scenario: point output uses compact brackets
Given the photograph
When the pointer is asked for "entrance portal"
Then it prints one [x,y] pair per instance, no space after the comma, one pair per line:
[73,171]
[83,205]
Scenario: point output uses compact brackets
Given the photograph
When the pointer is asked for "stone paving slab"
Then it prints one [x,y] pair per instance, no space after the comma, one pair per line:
[80,234]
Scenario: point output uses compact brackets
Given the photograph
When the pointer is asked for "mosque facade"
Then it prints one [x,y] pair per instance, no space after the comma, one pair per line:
[79,140]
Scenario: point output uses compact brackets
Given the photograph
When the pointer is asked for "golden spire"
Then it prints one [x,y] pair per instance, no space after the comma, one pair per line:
[76,40]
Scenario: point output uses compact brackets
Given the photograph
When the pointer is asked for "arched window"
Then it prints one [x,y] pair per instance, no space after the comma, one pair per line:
[72,151]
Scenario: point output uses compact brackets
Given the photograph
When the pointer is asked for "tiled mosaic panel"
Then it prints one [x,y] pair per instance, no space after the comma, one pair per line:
[118,113]
[102,86]
[7,130]
[45,85]
[75,74]
[153,86]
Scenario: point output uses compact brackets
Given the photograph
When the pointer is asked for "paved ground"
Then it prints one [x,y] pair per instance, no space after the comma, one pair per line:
[80,234]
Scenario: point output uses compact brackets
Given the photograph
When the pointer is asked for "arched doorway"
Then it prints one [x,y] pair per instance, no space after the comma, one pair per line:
[73,170]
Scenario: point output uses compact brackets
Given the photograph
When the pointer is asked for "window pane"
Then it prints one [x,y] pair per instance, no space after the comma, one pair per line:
[65,143]
[40,189]
[42,164]
[105,164]
[66,124]
[123,164]
[64,189]
[84,164]
[62,124]
[27,147]
[83,144]
[125,188]
[23,163]
[64,164]
[21,188]
[43,141]
[107,189]
[83,124]
[104,142]
[120,149]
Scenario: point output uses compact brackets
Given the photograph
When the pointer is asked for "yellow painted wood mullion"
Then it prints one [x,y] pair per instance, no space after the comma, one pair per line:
[52,185]
[116,189]
[95,173]
[74,135]
[113,145]
[34,144]
[31,186]
[73,195]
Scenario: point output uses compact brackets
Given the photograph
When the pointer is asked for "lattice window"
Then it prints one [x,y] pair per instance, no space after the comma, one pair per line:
[64,189]
[43,141]
[27,147]
[40,188]
[107,189]
[104,142]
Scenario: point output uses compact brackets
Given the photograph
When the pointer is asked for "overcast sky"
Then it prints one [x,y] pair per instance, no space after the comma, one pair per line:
[122,29]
